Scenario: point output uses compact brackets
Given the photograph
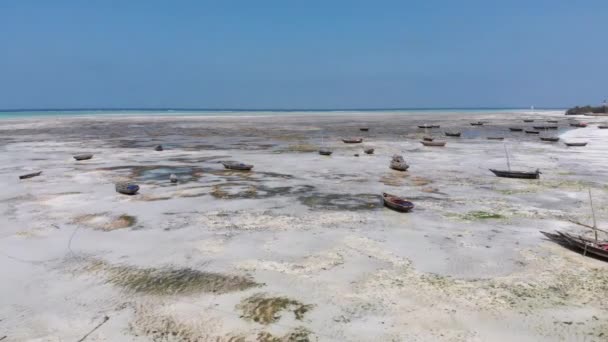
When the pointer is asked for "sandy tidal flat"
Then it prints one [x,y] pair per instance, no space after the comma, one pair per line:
[301,248]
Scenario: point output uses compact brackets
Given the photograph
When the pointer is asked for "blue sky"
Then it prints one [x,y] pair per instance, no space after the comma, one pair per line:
[302,54]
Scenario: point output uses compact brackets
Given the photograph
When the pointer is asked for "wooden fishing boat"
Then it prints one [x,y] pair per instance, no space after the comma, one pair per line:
[552,139]
[84,156]
[325,152]
[528,120]
[515,129]
[552,121]
[427,138]
[602,126]
[369,150]
[352,140]
[30,175]
[452,134]
[158,148]
[232,165]
[428,126]
[478,123]
[398,163]
[397,203]
[364,129]
[516,174]
[580,244]
[495,138]
[127,188]
[540,127]
[532,132]
[579,124]
[575,144]
[433,143]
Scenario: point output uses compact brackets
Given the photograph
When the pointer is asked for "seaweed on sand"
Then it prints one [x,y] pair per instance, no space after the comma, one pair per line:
[299,334]
[170,281]
[265,310]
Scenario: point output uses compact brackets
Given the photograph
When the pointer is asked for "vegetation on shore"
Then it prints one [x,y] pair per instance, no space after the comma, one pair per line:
[587,109]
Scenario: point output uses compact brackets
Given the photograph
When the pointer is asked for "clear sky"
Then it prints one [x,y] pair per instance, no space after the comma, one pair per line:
[302,54]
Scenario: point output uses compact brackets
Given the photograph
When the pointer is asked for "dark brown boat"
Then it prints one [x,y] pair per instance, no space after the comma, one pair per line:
[352,140]
[579,124]
[127,188]
[452,134]
[85,156]
[368,150]
[232,165]
[528,120]
[580,244]
[552,139]
[545,127]
[364,129]
[433,143]
[576,144]
[602,126]
[515,129]
[397,203]
[516,174]
[159,148]
[552,121]
[30,175]
[427,138]
[532,132]
[478,123]
[428,126]
[495,138]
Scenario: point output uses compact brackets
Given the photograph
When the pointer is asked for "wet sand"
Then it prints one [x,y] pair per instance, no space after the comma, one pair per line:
[300,248]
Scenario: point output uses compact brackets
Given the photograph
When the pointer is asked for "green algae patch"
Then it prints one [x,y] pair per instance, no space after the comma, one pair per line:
[169,281]
[265,310]
[299,334]
[481,215]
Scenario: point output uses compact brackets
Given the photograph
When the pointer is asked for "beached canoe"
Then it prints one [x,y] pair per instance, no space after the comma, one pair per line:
[579,124]
[517,174]
[452,134]
[158,148]
[369,150]
[84,156]
[478,123]
[575,144]
[515,129]
[429,126]
[580,244]
[495,138]
[127,188]
[30,175]
[528,120]
[602,126]
[397,203]
[433,143]
[551,139]
[364,129]
[552,121]
[532,132]
[352,140]
[427,138]
[325,152]
[232,165]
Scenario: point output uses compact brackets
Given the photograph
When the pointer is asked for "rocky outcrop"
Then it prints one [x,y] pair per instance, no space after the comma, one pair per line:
[587,110]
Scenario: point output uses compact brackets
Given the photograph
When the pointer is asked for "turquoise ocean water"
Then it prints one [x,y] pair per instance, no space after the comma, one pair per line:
[22,114]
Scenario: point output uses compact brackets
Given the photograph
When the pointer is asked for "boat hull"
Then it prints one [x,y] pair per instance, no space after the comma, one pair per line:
[397,203]
[516,174]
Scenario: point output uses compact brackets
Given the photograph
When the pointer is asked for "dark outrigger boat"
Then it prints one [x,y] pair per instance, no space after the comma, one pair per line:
[552,121]
[579,124]
[515,129]
[495,138]
[580,244]
[127,188]
[85,156]
[158,148]
[325,152]
[517,174]
[602,126]
[428,126]
[427,138]
[575,144]
[397,203]
[478,123]
[433,143]
[352,140]
[528,120]
[532,132]
[232,165]
[364,129]
[398,163]
[545,127]
[452,134]
[30,175]
[551,139]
